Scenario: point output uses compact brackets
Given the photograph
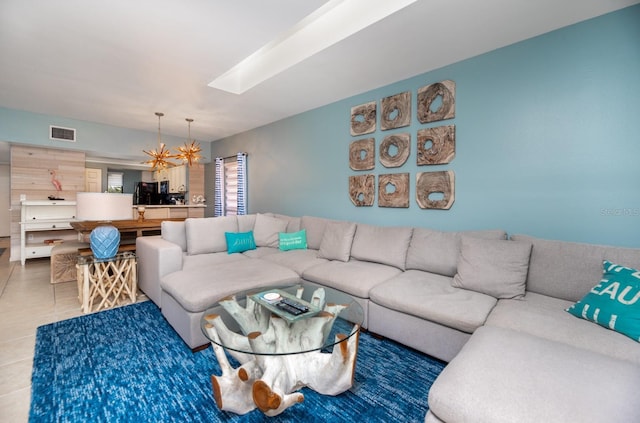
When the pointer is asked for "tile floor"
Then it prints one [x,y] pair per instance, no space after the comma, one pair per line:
[27,300]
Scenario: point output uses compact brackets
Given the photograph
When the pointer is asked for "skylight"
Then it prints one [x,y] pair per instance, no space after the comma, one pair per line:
[328,25]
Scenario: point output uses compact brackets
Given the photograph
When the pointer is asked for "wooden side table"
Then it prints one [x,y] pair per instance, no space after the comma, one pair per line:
[106,283]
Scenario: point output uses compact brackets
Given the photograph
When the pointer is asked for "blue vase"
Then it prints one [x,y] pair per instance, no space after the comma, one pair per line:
[105,241]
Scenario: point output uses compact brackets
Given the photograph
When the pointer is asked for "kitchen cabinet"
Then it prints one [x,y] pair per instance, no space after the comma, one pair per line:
[177,177]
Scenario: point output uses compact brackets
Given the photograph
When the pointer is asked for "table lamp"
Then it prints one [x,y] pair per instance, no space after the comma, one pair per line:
[104,207]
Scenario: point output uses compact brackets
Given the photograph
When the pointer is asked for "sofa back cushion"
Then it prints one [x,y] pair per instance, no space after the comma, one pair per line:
[293,223]
[493,266]
[246,222]
[568,270]
[315,227]
[174,231]
[206,235]
[337,240]
[267,229]
[379,244]
[437,252]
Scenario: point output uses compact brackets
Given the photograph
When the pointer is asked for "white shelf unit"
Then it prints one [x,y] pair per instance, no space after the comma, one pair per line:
[42,220]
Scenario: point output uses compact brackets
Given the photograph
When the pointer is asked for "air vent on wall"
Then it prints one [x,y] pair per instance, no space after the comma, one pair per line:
[58,133]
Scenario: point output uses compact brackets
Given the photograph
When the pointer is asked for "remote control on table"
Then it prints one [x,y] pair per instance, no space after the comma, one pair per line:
[289,309]
[303,308]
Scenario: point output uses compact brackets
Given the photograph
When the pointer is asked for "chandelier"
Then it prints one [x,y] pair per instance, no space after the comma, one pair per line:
[159,157]
[189,152]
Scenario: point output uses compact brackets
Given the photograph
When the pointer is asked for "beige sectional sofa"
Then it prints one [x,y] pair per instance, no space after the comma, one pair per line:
[462,297]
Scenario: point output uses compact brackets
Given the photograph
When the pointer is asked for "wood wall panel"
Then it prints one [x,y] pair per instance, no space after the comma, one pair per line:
[196,181]
[30,176]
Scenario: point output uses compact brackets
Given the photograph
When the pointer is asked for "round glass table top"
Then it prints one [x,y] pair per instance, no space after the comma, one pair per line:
[282,320]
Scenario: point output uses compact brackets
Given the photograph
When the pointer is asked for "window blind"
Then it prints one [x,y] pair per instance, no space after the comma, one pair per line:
[115,181]
[231,186]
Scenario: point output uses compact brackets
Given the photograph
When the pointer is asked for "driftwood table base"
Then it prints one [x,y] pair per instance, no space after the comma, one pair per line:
[271,372]
[107,283]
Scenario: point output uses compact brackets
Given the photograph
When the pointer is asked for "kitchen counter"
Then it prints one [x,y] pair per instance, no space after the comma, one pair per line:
[170,211]
[173,206]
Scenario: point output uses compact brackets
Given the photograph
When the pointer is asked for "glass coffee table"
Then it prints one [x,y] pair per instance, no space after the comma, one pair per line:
[284,338]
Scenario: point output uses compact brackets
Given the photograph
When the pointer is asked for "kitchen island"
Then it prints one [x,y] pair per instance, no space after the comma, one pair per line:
[168,211]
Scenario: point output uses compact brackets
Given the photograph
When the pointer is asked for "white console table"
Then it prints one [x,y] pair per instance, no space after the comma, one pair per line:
[42,220]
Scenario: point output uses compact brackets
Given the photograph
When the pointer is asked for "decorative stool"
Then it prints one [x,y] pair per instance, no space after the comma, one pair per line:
[105,283]
[63,261]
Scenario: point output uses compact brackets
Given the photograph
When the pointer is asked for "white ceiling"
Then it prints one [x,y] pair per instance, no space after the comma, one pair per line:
[119,61]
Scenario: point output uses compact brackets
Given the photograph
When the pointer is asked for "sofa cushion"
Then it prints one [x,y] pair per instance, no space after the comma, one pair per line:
[209,260]
[246,222]
[260,252]
[315,227]
[353,277]
[613,303]
[545,317]
[337,240]
[238,242]
[266,230]
[297,260]
[293,222]
[431,297]
[379,244]
[292,241]
[568,270]
[174,231]
[493,267]
[502,376]
[437,252]
[206,235]
[200,287]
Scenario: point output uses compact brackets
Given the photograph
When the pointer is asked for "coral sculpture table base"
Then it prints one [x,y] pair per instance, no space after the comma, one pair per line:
[273,369]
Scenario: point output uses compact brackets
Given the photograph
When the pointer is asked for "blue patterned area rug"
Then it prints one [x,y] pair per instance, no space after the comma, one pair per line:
[128,365]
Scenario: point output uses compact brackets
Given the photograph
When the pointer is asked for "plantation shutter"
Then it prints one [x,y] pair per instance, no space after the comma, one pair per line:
[231,186]
[218,205]
[242,183]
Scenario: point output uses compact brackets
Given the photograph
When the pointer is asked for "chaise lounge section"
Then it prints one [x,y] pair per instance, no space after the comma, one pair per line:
[451,295]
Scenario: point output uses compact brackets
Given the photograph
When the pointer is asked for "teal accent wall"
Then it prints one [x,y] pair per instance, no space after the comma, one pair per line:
[547,142]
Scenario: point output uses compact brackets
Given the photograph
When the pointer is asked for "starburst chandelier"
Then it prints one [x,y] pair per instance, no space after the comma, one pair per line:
[190,151]
[159,157]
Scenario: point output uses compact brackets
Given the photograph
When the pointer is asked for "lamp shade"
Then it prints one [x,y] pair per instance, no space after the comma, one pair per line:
[104,206]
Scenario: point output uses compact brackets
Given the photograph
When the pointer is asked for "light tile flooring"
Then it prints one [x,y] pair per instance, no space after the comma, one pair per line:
[27,300]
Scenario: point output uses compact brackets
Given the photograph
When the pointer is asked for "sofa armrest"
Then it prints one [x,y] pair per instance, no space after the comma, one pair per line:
[157,257]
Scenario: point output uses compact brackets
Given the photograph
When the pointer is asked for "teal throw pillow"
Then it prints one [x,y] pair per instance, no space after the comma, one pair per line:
[238,242]
[293,241]
[614,302]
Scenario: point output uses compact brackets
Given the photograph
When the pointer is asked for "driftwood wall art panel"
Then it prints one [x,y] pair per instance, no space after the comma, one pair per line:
[436,145]
[435,190]
[395,111]
[362,154]
[393,190]
[362,190]
[363,119]
[444,91]
[395,149]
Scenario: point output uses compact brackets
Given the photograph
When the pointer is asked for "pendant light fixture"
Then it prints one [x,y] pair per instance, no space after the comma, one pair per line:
[160,156]
[190,151]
